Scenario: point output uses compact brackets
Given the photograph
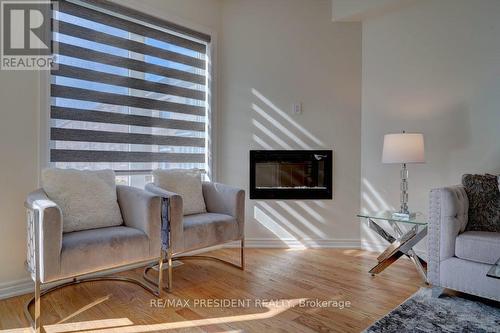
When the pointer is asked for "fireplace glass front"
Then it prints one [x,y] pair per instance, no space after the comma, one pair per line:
[291,174]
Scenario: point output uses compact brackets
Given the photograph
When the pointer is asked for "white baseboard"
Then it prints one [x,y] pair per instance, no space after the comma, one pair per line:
[373,246]
[26,286]
[297,243]
[16,288]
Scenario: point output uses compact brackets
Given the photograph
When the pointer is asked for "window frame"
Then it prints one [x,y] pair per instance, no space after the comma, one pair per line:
[44,77]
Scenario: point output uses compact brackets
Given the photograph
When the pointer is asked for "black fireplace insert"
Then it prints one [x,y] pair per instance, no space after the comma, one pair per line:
[291,174]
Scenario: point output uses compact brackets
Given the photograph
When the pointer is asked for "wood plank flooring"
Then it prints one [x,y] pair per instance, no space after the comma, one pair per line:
[272,292]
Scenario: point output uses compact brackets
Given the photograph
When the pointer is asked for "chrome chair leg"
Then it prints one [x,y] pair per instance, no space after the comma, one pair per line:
[170,258]
[242,258]
[170,273]
[160,274]
[36,321]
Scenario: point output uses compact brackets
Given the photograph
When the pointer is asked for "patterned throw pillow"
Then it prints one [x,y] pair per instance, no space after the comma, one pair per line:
[484,202]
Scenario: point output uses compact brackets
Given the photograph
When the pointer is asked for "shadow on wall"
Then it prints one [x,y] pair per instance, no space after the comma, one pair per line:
[372,201]
[296,223]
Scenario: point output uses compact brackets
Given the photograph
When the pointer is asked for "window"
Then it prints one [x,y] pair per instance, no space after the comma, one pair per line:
[130,92]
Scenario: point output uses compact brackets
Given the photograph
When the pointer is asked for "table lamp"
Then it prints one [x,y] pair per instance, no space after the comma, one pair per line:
[403,148]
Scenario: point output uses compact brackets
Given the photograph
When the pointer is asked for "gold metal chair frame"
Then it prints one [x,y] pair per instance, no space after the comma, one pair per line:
[33,219]
[170,257]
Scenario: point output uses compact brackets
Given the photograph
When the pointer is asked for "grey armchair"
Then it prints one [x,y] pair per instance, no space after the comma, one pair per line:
[224,222]
[459,259]
[56,256]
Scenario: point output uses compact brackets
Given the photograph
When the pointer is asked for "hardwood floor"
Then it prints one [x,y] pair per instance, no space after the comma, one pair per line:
[281,277]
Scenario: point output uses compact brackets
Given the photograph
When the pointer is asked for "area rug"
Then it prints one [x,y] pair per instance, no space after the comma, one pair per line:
[422,313]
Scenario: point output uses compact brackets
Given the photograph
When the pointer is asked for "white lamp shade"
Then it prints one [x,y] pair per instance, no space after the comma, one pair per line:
[403,148]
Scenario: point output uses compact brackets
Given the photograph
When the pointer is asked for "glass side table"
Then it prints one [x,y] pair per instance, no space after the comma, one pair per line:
[402,243]
[494,271]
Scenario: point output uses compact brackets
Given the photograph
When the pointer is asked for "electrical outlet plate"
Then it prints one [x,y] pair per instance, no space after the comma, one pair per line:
[297,108]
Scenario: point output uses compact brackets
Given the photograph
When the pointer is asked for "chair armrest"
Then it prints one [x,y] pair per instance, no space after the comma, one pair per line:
[176,215]
[448,215]
[142,210]
[50,222]
[225,199]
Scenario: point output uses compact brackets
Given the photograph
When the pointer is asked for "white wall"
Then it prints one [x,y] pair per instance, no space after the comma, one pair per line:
[359,10]
[275,53]
[434,68]
[197,14]
[19,165]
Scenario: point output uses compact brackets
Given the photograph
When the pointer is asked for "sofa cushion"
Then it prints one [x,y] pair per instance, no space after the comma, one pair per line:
[479,246]
[90,250]
[86,198]
[484,202]
[186,183]
[202,230]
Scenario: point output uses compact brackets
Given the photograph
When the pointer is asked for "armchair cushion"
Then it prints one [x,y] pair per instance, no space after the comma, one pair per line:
[88,251]
[479,246]
[186,183]
[209,229]
[87,199]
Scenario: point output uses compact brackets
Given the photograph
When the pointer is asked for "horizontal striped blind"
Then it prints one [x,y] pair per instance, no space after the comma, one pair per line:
[128,92]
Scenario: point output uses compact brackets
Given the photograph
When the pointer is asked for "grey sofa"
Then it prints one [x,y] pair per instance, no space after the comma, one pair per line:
[459,259]
[223,222]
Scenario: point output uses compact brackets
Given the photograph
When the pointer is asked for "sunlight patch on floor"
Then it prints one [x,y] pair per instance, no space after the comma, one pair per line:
[17,330]
[88,325]
[77,326]
[111,325]
[85,308]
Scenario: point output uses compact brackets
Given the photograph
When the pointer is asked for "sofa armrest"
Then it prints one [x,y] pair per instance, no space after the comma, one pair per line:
[448,209]
[50,223]
[175,213]
[225,199]
[142,210]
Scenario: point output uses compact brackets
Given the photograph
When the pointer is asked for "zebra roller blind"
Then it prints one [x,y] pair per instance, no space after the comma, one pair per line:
[129,91]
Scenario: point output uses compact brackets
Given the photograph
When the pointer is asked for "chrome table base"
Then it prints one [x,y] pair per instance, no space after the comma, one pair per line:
[402,245]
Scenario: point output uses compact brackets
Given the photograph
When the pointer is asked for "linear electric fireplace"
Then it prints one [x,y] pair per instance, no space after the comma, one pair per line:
[291,174]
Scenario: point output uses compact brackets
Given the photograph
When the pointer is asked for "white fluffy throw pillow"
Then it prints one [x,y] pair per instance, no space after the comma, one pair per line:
[186,183]
[87,198]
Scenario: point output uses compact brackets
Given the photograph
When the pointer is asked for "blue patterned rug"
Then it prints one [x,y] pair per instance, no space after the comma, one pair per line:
[422,313]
